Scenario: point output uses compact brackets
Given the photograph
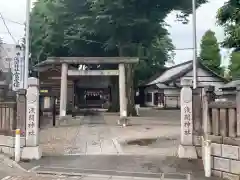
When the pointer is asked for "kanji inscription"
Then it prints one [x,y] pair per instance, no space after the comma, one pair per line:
[186,116]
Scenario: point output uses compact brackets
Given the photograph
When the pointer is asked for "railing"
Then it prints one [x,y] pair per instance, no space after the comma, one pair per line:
[223,119]
[8,120]
[220,118]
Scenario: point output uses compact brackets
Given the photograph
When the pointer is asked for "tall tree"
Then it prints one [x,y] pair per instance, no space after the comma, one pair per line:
[210,52]
[106,28]
[234,66]
[228,16]
[129,26]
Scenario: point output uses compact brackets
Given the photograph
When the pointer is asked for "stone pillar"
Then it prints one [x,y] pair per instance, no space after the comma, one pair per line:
[32,149]
[21,110]
[186,148]
[122,90]
[63,95]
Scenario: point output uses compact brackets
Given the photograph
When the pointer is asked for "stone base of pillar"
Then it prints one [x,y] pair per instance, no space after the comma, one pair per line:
[185,151]
[31,153]
[64,120]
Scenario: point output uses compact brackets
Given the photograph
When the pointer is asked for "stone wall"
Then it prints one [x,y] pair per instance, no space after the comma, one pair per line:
[226,159]
[7,144]
[225,155]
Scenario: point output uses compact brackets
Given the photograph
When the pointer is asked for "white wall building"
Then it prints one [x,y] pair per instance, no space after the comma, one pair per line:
[167,85]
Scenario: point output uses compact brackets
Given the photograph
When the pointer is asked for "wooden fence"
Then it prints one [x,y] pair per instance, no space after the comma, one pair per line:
[12,112]
[220,118]
[8,117]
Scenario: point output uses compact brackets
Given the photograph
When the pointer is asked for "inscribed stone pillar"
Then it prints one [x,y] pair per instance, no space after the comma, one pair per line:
[186,148]
[63,95]
[122,90]
[32,149]
[32,138]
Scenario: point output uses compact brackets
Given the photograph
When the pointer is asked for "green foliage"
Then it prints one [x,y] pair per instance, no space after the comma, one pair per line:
[235,65]
[229,17]
[105,28]
[210,52]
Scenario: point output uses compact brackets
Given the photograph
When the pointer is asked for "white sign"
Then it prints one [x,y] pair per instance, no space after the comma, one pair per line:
[93,72]
[32,112]
[17,70]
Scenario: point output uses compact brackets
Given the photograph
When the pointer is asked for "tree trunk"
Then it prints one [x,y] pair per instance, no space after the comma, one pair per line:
[114,106]
[129,72]
[130,92]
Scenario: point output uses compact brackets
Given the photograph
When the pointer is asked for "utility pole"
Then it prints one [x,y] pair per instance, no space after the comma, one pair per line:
[26,58]
[194,44]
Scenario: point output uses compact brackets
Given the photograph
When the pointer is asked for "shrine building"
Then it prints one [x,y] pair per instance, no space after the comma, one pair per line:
[76,87]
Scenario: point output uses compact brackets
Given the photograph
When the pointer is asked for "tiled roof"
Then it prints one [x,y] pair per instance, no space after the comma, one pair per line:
[171,72]
[232,84]
[175,72]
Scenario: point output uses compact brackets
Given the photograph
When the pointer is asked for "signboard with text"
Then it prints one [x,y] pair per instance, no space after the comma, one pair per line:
[18,70]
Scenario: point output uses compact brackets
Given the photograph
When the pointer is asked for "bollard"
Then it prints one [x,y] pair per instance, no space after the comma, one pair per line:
[17,145]
[124,118]
[207,158]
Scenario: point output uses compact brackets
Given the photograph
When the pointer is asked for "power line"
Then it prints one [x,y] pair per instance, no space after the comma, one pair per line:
[7,28]
[98,42]
[9,20]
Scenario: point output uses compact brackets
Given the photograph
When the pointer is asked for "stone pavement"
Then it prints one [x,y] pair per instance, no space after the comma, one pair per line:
[100,135]
[120,165]
[83,177]
[9,167]
[95,145]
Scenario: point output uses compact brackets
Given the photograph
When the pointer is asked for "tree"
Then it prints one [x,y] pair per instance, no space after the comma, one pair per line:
[106,28]
[228,16]
[210,52]
[234,66]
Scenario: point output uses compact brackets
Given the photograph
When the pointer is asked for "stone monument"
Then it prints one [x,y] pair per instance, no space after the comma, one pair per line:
[32,149]
[186,148]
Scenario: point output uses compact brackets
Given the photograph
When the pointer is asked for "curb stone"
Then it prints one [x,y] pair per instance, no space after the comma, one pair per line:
[9,162]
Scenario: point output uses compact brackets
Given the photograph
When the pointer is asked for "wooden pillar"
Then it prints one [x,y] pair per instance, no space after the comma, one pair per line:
[207,97]
[238,110]
[197,112]
[21,110]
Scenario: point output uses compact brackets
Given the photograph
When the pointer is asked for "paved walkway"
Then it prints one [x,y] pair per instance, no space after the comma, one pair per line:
[99,135]
[83,177]
[124,166]
[95,145]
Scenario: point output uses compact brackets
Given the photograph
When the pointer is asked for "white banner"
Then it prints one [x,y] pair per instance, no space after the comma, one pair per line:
[18,70]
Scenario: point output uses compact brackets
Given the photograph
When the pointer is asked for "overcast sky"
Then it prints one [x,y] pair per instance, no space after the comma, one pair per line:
[181,34]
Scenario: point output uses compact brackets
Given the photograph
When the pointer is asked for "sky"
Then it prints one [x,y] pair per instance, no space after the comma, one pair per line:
[181,34]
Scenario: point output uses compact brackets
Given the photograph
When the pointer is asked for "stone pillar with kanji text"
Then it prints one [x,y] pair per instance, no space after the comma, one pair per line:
[186,148]
[32,149]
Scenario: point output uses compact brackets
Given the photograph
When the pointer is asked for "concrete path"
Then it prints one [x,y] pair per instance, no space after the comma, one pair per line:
[99,134]
[84,177]
[119,165]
